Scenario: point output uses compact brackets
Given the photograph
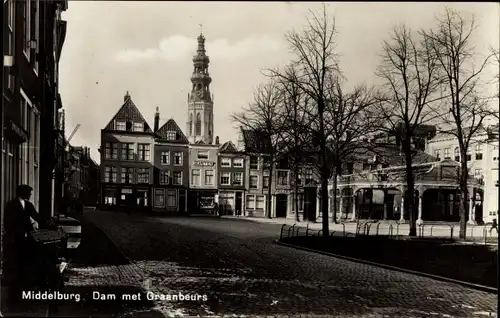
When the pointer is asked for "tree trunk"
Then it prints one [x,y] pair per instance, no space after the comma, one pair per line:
[334,210]
[410,193]
[324,203]
[269,192]
[464,176]
[296,190]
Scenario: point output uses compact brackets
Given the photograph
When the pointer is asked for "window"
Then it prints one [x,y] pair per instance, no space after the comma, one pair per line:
[159,198]
[202,154]
[120,125]
[143,175]
[308,175]
[457,154]
[282,177]
[144,152]
[238,162]
[209,177]
[437,153]
[447,153]
[171,198]
[128,151]
[191,124]
[127,175]
[171,135]
[250,202]
[26,28]
[479,152]
[164,177]
[177,178]
[195,177]
[165,158]
[111,150]
[225,162]
[254,162]
[254,182]
[225,178]
[238,178]
[110,174]
[198,125]
[265,182]
[178,158]
[139,127]
[260,202]
[478,173]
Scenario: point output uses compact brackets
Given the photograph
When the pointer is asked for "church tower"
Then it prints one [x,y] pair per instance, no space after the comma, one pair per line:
[200,125]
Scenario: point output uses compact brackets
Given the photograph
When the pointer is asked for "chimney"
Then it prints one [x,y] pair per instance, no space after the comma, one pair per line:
[157,119]
[127,97]
[217,140]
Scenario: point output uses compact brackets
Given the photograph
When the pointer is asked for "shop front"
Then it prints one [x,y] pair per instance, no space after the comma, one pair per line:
[169,200]
[131,198]
[201,201]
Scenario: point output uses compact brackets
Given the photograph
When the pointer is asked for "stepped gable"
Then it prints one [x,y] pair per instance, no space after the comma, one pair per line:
[128,112]
[171,125]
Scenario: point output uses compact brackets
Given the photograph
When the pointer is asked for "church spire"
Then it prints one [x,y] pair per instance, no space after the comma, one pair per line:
[200,78]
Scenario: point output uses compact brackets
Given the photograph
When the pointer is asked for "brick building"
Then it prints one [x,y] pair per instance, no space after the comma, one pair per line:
[127,154]
[171,165]
[232,180]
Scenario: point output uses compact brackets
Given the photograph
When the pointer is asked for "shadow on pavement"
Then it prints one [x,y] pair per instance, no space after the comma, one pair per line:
[97,251]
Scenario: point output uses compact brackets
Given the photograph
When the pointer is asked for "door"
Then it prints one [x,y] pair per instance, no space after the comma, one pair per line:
[239,203]
[281,205]
[182,201]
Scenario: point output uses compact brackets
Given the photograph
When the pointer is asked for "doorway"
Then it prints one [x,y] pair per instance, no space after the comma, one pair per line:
[281,205]
[182,201]
[239,203]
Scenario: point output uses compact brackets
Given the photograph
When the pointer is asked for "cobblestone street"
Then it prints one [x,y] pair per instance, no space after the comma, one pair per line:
[242,272]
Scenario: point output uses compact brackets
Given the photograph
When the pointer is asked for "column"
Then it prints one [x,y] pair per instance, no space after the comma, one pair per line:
[341,204]
[471,210]
[353,216]
[402,218]
[386,208]
[419,202]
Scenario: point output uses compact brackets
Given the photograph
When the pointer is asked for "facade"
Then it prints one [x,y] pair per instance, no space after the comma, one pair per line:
[127,159]
[33,37]
[171,168]
[232,180]
[82,176]
[483,158]
[202,177]
[200,125]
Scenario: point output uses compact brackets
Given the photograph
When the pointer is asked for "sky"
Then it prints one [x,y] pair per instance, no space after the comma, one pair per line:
[146,48]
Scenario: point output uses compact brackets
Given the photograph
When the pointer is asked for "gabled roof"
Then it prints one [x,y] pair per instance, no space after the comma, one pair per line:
[255,141]
[128,112]
[228,147]
[171,125]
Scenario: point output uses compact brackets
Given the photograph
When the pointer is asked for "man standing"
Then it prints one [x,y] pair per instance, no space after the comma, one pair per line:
[17,223]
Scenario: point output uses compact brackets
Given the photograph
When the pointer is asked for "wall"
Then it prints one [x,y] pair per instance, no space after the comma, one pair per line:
[194,163]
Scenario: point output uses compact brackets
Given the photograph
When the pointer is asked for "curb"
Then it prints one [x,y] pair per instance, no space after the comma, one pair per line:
[394,268]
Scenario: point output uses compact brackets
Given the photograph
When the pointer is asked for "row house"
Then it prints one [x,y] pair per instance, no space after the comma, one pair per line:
[127,159]
[171,167]
[232,180]
[203,177]
[482,159]
[83,176]
[33,35]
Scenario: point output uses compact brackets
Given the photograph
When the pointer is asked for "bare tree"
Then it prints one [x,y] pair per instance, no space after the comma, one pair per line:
[316,61]
[295,129]
[263,118]
[349,116]
[409,73]
[452,49]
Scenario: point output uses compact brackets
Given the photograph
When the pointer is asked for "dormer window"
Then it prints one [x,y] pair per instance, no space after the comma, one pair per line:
[139,127]
[171,135]
[120,125]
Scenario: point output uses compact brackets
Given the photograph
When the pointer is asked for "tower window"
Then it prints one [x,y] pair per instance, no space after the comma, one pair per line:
[191,124]
[198,125]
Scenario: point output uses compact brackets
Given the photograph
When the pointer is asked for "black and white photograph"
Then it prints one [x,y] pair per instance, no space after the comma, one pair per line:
[249,159]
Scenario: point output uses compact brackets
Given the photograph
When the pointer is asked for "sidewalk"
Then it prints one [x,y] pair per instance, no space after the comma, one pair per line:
[99,266]
[382,228]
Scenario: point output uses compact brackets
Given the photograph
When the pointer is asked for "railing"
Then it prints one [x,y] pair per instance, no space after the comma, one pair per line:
[431,226]
[288,231]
